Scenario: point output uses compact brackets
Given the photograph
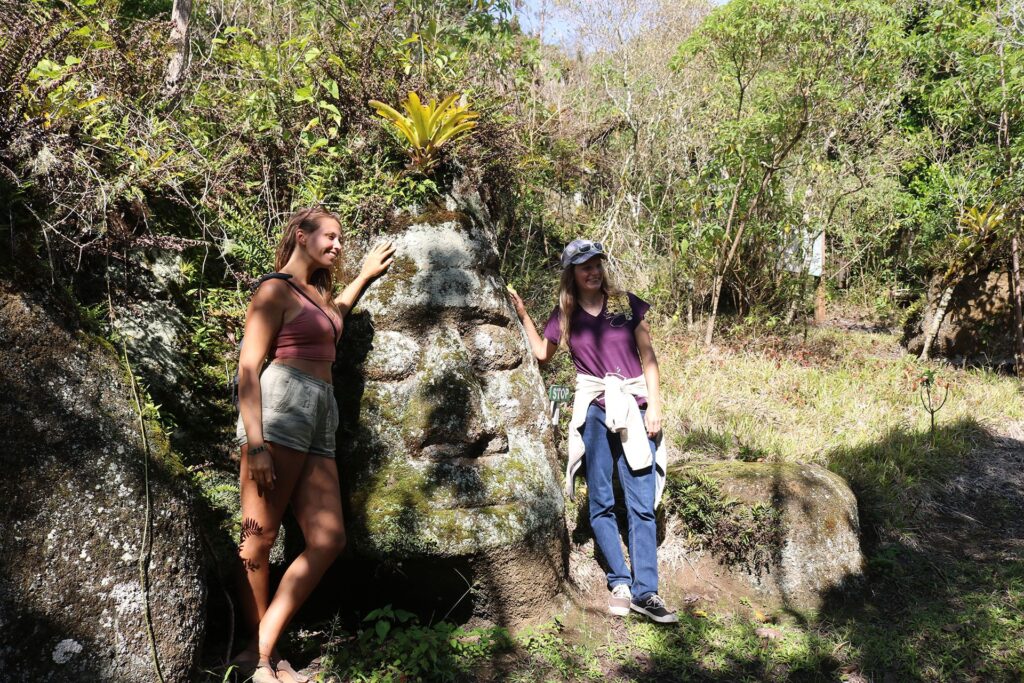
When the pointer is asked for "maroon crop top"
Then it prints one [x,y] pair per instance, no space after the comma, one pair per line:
[309,335]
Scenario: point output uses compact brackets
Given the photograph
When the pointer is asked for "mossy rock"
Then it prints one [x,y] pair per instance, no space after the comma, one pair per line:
[71,603]
[445,453]
[818,550]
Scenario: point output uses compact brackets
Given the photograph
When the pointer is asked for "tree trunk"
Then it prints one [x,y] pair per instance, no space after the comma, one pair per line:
[1017,293]
[723,265]
[181,22]
[1015,285]
[938,316]
[689,307]
[819,290]
[819,301]
[793,306]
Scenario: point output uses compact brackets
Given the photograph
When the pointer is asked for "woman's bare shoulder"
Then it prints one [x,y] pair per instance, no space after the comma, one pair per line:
[273,293]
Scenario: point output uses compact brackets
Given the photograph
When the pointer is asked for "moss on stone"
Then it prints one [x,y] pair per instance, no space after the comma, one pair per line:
[523,389]
[378,402]
[160,452]
[394,506]
[462,531]
[512,470]
[415,420]
[434,214]
[444,382]
[402,271]
[737,533]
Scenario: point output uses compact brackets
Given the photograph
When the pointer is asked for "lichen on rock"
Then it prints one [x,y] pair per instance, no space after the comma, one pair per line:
[71,603]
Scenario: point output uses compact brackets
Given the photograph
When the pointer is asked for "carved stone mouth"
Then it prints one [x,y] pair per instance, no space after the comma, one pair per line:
[485,445]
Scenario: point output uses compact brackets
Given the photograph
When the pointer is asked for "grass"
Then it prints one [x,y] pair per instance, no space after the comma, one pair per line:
[968,629]
[926,611]
[844,400]
[841,391]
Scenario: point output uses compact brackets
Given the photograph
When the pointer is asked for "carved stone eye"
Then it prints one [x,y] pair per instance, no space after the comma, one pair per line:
[393,356]
[494,347]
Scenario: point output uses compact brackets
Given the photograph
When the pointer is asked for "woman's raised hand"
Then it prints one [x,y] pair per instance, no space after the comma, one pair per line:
[378,260]
[517,302]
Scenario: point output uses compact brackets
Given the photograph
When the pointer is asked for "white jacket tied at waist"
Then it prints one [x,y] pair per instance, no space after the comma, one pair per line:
[622,415]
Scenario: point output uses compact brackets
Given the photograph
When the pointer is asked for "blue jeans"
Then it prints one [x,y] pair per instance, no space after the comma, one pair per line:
[603,453]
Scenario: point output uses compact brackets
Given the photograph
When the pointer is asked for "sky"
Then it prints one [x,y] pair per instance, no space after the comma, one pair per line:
[537,15]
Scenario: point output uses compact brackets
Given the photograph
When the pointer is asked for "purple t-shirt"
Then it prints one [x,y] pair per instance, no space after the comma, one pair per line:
[605,343]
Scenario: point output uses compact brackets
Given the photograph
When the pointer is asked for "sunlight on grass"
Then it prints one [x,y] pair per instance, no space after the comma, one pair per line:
[802,405]
[845,401]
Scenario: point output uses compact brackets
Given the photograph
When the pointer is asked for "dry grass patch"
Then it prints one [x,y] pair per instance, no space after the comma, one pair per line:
[845,400]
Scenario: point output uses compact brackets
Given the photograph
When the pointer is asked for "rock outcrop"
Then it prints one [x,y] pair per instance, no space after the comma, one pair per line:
[818,549]
[978,326]
[72,605]
[446,454]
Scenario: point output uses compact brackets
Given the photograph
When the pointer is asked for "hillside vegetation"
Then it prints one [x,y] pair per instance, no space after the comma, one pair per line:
[151,150]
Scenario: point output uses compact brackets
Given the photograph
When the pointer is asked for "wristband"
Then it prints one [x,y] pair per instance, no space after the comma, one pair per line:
[259,449]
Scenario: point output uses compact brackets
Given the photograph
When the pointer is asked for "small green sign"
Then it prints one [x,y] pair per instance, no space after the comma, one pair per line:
[558,393]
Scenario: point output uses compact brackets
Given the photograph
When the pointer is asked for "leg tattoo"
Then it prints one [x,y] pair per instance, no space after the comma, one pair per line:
[250,527]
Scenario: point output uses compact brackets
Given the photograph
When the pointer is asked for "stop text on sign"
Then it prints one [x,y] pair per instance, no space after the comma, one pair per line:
[558,394]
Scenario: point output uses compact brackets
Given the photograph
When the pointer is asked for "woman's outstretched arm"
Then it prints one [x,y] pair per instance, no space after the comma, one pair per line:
[376,262]
[652,375]
[542,349]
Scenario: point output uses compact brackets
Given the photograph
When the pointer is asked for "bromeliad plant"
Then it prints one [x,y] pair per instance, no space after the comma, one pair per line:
[428,126]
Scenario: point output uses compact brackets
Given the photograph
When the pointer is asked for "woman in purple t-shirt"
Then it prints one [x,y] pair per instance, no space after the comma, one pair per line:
[617,377]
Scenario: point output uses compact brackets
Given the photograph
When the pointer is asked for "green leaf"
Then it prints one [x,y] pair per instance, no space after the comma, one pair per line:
[46,68]
[331,108]
[382,628]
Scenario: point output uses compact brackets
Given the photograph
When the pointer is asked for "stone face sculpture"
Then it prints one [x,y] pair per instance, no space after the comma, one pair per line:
[445,449]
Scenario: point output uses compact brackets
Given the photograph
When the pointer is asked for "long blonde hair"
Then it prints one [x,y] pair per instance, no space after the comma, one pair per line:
[567,297]
[308,221]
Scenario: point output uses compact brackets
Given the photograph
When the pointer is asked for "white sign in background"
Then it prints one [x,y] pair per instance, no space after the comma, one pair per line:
[805,253]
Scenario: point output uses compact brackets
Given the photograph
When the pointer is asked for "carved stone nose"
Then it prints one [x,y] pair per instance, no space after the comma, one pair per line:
[446,415]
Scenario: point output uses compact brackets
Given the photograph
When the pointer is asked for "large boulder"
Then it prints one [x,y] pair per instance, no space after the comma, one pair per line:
[814,552]
[978,326]
[72,602]
[447,459]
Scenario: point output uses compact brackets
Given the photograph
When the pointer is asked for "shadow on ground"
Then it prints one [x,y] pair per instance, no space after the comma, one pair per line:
[941,600]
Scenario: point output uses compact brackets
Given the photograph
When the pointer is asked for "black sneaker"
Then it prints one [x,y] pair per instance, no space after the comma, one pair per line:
[653,607]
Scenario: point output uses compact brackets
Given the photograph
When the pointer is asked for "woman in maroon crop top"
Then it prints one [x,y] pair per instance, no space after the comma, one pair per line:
[286,427]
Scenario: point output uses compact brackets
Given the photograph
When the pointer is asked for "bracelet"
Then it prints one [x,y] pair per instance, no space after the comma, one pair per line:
[259,449]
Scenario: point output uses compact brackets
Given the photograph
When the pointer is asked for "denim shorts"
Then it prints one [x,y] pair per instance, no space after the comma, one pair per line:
[299,411]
